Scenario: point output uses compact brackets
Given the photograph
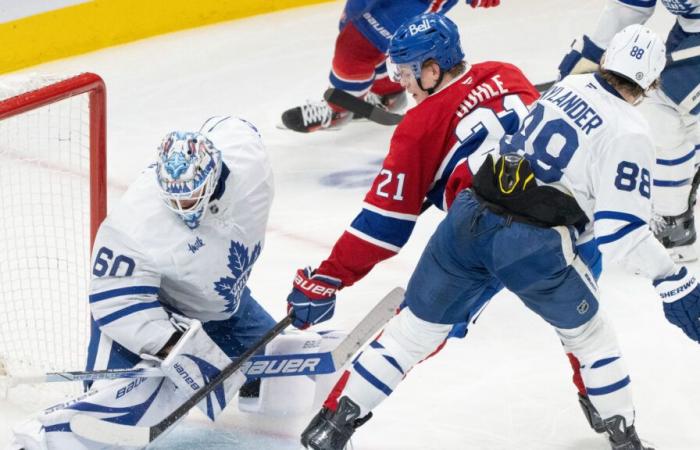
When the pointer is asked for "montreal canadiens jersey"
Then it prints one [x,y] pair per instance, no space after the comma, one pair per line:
[583,138]
[146,260]
[620,13]
[432,155]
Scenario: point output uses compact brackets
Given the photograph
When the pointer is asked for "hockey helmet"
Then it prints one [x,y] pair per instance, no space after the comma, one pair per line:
[637,54]
[427,36]
[187,171]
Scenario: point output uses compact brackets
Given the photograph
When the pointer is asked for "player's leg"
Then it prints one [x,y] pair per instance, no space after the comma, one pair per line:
[672,113]
[144,401]
[441,292]
[352,70]
[551,279]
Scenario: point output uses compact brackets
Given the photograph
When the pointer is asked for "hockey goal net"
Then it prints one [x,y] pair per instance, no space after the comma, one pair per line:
[52,173]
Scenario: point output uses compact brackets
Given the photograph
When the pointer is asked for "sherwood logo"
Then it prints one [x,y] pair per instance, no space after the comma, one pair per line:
[186,376]
[291,365]
[415,29]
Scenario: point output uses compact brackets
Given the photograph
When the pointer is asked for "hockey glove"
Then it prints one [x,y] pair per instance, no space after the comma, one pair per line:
[583,57]
[312,299]
[193,361]
[483,3]
[681,296]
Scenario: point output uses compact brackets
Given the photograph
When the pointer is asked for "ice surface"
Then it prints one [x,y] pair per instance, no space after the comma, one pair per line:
[507,386]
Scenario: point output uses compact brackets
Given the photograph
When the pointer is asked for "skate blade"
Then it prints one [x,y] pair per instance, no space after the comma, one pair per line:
[684,254]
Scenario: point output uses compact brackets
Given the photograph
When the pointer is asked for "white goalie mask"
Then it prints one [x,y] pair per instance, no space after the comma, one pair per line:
[187,170]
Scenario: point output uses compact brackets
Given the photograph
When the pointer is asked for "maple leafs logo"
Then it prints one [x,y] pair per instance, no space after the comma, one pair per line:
[240,262]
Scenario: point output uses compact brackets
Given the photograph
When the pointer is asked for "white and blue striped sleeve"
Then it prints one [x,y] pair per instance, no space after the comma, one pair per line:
[124,294]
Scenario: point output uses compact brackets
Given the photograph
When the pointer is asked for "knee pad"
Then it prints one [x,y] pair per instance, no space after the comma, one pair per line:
[411,339]
[591,341]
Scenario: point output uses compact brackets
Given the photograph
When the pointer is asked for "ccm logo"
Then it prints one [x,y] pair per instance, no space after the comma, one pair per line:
[293,365]
[423,26]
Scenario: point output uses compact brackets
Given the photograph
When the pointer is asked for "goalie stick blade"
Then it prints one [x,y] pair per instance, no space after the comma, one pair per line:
[92,428]
[360,107]
[368,327]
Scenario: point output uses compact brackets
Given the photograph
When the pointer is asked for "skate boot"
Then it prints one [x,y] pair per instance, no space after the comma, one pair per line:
[592,415]
[314,116]
[331,430]
[677,233]
[621,436]
[390,102]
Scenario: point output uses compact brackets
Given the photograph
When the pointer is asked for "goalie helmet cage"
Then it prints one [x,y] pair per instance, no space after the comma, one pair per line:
[53,170]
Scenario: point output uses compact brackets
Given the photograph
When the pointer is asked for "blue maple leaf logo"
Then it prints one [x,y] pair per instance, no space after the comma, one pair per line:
[240,262]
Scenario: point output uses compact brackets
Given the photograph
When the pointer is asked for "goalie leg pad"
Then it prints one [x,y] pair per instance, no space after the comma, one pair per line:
[144,402]
[602,368]
[285,395]
[377,371]
[194,361]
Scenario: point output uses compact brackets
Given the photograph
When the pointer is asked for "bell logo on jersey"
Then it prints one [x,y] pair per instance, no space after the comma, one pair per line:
[421,27]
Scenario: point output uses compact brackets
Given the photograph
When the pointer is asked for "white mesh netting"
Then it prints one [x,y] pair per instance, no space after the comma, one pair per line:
[44,233]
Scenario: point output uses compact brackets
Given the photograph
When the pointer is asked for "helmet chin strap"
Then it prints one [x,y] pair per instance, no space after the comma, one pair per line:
[431,90]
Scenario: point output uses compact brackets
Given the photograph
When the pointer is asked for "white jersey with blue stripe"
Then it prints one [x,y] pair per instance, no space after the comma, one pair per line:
[584,139]
[146,260]
[620,13]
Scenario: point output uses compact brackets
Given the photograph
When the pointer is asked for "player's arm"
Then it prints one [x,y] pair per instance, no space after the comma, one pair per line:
[377,233]
[124,294]
[622,214]
[586,50]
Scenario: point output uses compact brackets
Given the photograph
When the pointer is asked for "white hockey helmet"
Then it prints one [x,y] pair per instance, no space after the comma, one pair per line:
[636,53]
[187,170]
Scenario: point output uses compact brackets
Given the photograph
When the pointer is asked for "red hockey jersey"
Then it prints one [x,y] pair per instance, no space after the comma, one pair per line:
[433,153]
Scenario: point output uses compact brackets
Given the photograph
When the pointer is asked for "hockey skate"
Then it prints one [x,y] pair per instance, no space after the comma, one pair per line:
[592,415]
[314,116]
[621,436]
[331,430]
[677,233]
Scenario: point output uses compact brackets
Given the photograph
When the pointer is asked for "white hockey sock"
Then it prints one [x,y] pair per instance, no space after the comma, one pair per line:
[377,371]
[603,371]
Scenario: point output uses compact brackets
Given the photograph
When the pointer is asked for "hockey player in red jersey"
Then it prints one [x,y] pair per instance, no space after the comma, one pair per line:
[463,111]
[358,60]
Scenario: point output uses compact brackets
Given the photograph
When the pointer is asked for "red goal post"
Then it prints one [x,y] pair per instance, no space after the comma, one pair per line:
[53,167]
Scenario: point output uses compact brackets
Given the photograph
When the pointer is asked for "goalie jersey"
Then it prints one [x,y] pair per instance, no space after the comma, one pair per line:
[147,262]
[432,155]
[583,138]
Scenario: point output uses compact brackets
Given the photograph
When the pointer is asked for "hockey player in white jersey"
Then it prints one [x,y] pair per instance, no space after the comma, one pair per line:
[168,289]
[672,112]
[579,166]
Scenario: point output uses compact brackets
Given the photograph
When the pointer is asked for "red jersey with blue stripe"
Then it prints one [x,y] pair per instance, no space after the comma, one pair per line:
[433,153]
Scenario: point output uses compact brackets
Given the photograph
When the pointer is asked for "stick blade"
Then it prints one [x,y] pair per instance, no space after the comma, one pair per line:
[368,327]
[97,430]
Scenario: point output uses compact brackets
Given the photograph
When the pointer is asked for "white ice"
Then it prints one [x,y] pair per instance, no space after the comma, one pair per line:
[507,386]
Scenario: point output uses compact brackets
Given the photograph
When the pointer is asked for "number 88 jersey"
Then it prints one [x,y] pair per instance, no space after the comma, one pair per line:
[583,138]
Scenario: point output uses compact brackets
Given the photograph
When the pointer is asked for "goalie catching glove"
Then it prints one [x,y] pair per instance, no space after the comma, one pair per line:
[193,361]
[312,299]
[681,296]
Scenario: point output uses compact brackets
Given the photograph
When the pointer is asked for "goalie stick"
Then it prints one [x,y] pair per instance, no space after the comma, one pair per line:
[116,434]
[678,55]
[360,107]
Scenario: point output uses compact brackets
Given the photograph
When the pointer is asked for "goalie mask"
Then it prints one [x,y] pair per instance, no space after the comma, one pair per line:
[187,170]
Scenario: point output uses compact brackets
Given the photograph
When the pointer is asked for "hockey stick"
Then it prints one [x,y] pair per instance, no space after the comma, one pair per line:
[112,433]
[257,367]
[677,56]
[360,107]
